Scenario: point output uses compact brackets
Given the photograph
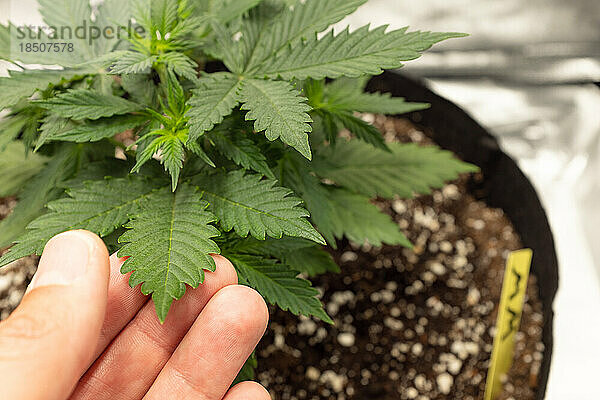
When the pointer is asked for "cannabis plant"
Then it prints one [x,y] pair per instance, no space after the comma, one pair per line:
[207,127]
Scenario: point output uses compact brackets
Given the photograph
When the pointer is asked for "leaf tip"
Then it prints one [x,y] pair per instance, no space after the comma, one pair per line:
[326,318]
[162,308]
[321,240]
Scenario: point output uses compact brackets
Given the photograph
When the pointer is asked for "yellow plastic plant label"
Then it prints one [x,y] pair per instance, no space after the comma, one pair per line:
[509,319]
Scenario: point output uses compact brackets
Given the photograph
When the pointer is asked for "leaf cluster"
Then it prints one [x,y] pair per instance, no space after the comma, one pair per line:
[135,140]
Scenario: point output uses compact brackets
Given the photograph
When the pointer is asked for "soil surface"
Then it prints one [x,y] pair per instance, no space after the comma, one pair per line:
[409,324]
[15,277]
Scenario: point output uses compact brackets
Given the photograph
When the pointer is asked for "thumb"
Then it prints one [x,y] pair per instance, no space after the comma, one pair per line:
[49,340]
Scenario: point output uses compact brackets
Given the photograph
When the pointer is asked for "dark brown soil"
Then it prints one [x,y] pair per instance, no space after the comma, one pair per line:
[409,324]
[15,277]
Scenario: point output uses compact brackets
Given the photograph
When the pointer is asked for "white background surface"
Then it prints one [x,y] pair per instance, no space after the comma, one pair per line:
[546,116]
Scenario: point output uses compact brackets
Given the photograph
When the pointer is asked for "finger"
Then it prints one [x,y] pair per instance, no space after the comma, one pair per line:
[247,391]
[216,347]
[123,304]
[48,342]
[145,345]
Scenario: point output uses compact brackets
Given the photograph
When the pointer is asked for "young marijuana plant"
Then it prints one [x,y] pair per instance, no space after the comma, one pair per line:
[211,127]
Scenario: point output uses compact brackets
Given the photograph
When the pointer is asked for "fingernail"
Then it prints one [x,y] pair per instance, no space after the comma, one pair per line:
[65,258]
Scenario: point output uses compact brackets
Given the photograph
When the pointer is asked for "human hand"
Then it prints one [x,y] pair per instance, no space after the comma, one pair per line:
[82,333]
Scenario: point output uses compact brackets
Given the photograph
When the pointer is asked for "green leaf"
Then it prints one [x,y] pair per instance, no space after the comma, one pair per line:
[347,94]
[197,149]
[103,83]
[356,218]
[337,212]
[350,54]
[278,109]
[225,49]
[268,247]
[278,284]
[214,99]
[98,171]
[181,64]
[311,261]
[133,63]
[141,11]
[242,151]
[294,25]
[52,125]
[254,206]
[100,207]
[256,24]
[97,130]
[361,129]
[71,14]
[20,85]
[10,127]
[164,15]
[175,98]
[115,14]
[20,36]
[407,170]
[295,172]
[42,188]
[4,42]
[299,254]
[141,88]
[169,244]
[328,125]
[30,131]
[228,10]
[377,103]
[82,103]
[342,87]
[17,168]
[172,154]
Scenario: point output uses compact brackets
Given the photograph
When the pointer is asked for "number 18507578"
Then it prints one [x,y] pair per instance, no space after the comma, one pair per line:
[46,47]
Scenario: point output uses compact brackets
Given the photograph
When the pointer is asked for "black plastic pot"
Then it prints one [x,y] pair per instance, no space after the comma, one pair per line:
[504,186]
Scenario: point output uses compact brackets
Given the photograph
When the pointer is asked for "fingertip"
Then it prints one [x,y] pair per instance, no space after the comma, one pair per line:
[97,246]
[222,338]
[76,258]
[99,258]
[246,306]
[225,268]
[62,310]
[248,390]
[99,261]
[260,308]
